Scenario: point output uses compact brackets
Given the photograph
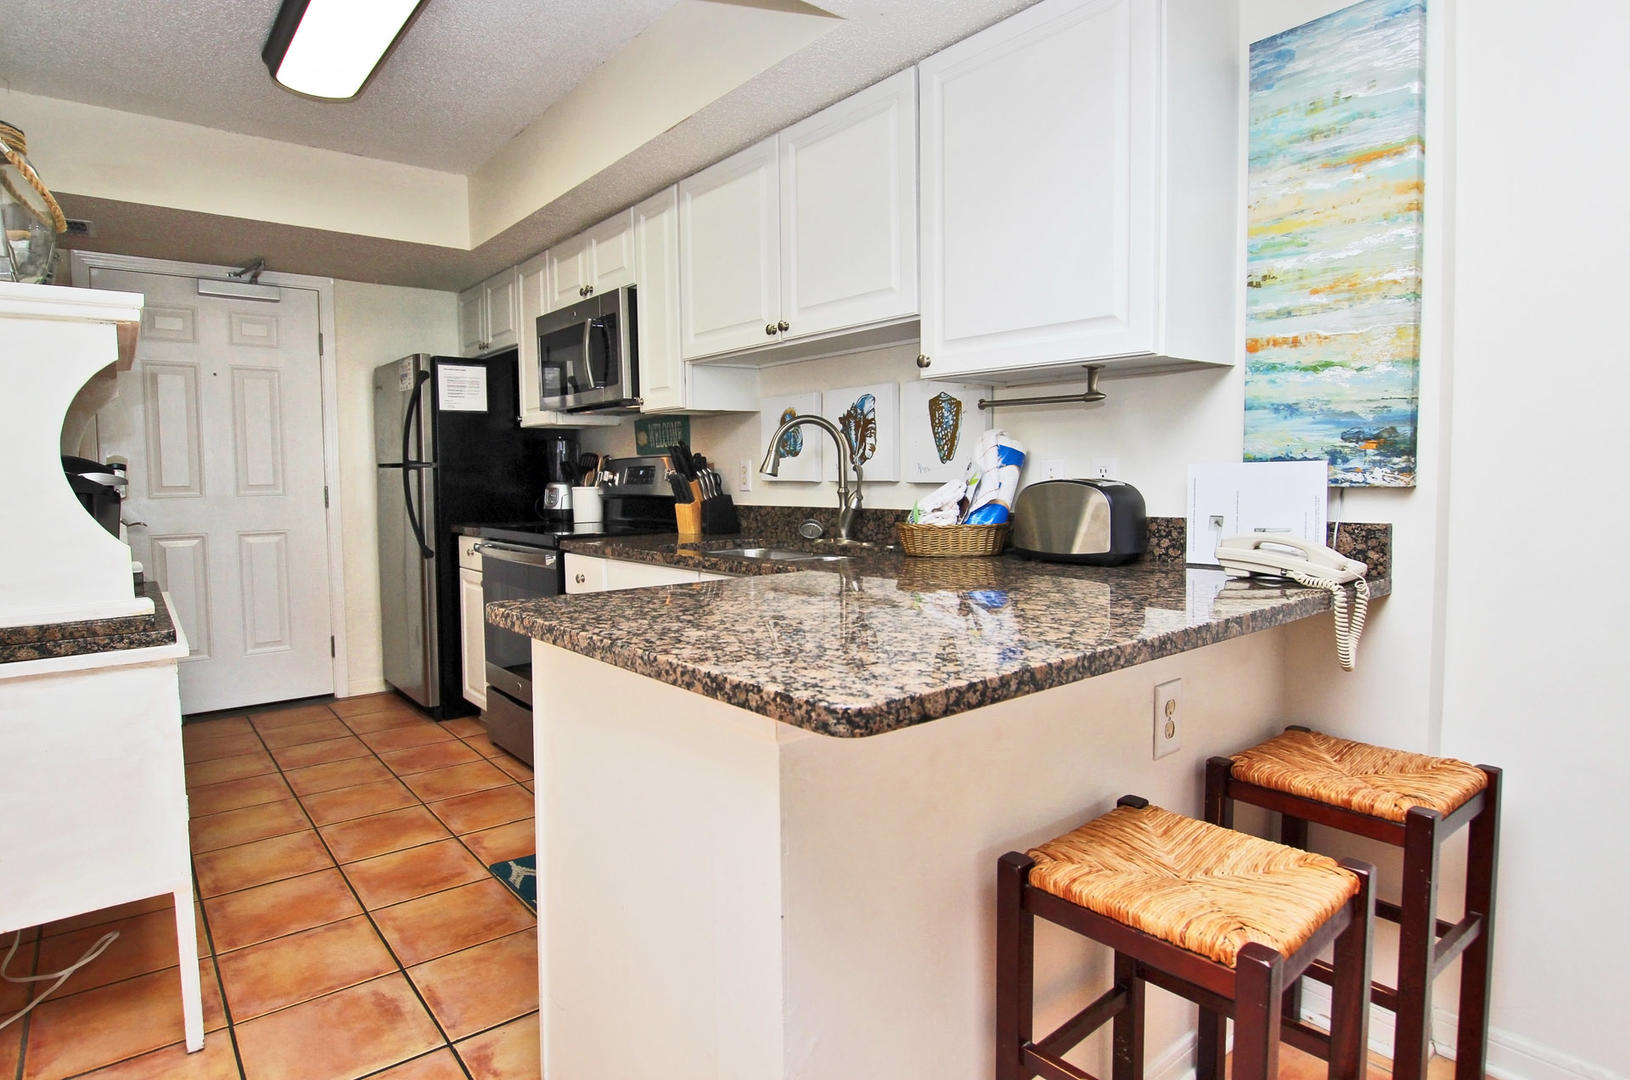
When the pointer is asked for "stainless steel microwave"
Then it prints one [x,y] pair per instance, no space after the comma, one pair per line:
[588,355]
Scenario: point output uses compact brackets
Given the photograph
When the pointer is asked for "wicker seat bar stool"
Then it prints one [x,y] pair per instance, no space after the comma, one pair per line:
[1412,801]
[1223,919]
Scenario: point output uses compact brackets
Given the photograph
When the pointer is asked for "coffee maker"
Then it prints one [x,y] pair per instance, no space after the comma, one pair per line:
[561,474]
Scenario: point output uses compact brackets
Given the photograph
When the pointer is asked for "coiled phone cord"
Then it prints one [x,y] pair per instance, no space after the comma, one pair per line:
[1349,625]
[60,976]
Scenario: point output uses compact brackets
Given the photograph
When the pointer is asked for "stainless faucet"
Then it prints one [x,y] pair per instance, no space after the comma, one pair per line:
[848,498]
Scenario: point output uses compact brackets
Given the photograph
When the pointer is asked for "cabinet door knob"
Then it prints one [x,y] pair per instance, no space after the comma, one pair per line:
[782,326]
[581,579]
[588,290]
[581,292]
[923,361]
[769,328]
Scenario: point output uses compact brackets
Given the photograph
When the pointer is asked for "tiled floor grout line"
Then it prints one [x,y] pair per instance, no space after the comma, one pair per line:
[27,1021]
[215,962]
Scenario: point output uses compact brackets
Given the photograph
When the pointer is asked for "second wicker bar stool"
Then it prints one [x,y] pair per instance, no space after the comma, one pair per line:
[1412,801]
[1223,919]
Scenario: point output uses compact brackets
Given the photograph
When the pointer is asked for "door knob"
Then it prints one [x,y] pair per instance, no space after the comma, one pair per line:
[769,328]
[782,326]
[923,361]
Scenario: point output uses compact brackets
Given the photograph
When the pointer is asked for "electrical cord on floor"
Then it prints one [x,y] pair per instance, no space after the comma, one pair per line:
[60,976]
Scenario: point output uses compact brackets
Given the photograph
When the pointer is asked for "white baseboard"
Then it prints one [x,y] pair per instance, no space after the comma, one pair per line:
[358,687]
[1510,1056]
[1177,1063]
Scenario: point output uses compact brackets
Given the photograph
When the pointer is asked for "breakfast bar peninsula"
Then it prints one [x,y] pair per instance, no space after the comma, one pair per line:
[770,807]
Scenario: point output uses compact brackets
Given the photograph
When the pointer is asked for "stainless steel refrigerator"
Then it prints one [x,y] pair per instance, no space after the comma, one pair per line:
[449,452]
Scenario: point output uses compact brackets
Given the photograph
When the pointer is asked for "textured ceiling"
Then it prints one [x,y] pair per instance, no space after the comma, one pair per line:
[426,90]
[465,77]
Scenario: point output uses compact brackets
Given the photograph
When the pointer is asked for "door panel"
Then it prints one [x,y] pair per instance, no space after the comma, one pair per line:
[220,420]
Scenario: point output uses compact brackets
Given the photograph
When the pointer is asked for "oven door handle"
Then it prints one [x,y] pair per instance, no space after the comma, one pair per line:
[524,555]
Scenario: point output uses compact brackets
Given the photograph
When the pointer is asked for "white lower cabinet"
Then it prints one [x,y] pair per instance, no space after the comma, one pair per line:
[472,622]
[586,574]
[1078,190]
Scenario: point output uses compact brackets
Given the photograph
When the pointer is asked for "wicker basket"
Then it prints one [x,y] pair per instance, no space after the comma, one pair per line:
[952,541]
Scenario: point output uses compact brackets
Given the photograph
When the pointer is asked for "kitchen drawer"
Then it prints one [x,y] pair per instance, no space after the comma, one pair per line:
[468,557]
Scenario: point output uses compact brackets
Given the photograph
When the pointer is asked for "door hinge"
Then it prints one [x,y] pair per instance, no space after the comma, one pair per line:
[331,647]
[319,343]
[325,496]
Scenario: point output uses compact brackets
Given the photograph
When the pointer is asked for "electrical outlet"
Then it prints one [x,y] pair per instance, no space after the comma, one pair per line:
[1103,468]
[744,476]
[1168,718]
[1054,469]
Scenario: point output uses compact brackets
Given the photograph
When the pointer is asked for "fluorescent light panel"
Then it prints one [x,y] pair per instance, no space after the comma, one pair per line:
[329,48]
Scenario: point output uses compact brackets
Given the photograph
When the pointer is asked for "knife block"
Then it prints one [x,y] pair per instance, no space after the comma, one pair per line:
[688,516]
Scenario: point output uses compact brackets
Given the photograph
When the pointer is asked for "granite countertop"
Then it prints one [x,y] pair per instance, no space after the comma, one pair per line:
[77,638]
[883,641]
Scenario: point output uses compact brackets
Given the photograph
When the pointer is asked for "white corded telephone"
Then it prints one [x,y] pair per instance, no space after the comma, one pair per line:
[1310,564]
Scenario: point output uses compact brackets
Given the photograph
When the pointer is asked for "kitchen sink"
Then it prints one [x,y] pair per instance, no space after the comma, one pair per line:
[776,554]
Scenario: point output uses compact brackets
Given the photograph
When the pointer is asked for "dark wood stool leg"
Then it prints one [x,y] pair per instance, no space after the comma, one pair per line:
[1293,833]
[1350,993]
[1219,808]
[1015,966]
[1128,1025]
[1213,1036]
[1482,858]
[1258,989]
[1417,941]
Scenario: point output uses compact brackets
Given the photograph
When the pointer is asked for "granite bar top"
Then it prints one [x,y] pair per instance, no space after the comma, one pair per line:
[77,638]
[882,641]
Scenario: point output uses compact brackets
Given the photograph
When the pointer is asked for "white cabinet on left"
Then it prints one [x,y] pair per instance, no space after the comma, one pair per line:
[489,314]
[472,622]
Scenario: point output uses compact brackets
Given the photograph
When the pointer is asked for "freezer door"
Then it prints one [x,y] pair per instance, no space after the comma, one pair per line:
[394,384]
[407,589]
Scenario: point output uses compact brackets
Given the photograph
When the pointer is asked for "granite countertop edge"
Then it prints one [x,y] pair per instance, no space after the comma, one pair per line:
[50,641]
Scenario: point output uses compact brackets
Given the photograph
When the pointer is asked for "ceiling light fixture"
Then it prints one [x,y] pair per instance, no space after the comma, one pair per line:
[330,48]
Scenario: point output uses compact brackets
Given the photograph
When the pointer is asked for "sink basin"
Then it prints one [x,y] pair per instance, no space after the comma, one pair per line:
[776,554]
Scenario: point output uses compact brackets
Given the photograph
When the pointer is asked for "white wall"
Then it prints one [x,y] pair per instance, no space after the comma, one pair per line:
[373,324]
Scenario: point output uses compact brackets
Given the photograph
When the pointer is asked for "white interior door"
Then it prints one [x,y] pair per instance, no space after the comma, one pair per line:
[221,421]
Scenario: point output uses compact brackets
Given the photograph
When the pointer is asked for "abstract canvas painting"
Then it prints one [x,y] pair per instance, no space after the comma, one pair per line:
[1333,271]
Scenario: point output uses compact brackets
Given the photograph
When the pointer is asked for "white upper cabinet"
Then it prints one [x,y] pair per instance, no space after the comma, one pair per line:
[667,382]
[595,260]
[489,314]
[849,211]
[729,253]
[1078,189]
[808,233]
[532,285]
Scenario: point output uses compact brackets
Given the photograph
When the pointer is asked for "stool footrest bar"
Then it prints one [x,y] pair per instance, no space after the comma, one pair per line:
[1306,1038]
[1084,1023]
[1053,1068]
[1454,940]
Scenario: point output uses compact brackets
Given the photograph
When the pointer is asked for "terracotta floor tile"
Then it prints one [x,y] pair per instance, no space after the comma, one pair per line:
[272,719]
[234,827]
[436,755]
[363,838]
[401,738]
[300,734]
[215,727]
[342,804]
[484,809]
[227,744]
[449,921]
[458,780]
[282,907]
[465,726]
[107,915]
[306,755]
[236,794]
[509,841]
[11,1044]
[440,1065]
[220,770]
[388,720]
[403,875]
[529,785]
[216,1061]
[483,986]
[345,708]
[505,1053]
[145,943]
[289,970]
[481,744]
[337,774]
[515,767]
[247,865]
[67,1036]
[346,1034]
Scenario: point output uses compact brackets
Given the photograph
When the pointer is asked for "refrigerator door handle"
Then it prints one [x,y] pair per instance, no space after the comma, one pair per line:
[407,485]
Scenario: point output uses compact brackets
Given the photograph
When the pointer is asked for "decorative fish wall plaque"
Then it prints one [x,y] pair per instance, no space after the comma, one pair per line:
[859,426]
[945,421]
[792,440]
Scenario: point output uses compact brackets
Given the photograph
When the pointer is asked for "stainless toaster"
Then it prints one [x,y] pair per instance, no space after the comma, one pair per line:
[1101,522]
